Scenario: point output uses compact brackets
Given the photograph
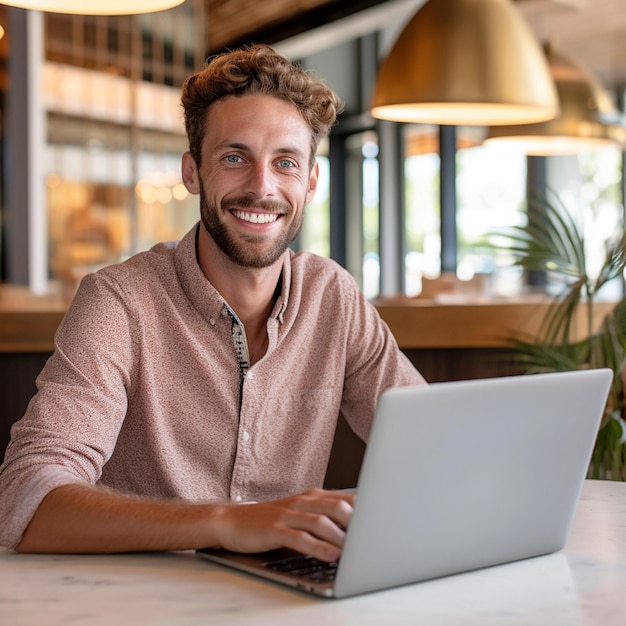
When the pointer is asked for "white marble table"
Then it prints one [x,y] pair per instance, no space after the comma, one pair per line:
[585,584]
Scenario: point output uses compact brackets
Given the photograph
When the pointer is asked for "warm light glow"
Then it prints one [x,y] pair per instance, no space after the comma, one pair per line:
[424,139]
[458,113]
[163,195]
[180,192]
[466,62]
[538,145]
[148,194]
[1,32]
[161,187]
[587,120]
[95,7]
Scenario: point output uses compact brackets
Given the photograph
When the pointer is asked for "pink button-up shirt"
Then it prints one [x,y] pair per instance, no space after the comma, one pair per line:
[146,392]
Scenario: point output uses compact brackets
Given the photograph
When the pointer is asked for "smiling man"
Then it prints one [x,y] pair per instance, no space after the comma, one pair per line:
[210,372]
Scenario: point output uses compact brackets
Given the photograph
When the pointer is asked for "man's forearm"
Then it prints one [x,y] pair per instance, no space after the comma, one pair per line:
[84,519]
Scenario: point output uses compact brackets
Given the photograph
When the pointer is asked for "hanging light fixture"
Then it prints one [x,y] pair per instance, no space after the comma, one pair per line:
[425,139]
[587,120]
[465,62]
[95,7]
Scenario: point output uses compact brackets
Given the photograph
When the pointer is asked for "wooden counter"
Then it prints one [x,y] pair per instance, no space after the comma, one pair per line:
[472,322]
[28,322]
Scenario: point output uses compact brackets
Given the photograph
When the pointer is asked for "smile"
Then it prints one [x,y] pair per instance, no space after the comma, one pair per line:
[256,218]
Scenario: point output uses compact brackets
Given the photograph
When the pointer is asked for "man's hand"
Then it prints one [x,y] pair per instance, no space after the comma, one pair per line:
[313,523]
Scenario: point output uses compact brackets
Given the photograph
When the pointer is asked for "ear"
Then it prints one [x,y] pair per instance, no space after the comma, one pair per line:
[191,176]
[313,178]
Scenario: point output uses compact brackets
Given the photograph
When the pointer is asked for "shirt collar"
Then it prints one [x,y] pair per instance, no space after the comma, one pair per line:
[285,283]
[201,293]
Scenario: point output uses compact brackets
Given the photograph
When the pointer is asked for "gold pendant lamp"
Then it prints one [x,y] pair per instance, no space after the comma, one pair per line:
[465,62]
[95,7]
[587,120]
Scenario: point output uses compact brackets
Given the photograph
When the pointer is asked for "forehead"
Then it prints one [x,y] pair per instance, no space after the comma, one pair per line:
[256,117]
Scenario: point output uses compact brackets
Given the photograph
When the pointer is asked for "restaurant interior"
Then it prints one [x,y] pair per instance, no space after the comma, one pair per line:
[466,124]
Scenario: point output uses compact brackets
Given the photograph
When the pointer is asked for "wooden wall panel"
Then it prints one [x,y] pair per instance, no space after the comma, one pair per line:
[17,386]
[436,365]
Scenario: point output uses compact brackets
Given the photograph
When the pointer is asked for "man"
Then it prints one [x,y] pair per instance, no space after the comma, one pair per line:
[194,390]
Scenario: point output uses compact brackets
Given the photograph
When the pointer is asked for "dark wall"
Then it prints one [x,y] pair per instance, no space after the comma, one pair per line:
[17,387]
[436,365]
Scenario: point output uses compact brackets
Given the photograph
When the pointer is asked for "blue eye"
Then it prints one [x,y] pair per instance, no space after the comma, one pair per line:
[233,158]
[286,163]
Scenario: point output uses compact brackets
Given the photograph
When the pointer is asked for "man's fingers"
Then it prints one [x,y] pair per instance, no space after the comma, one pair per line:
[318,526]
[307,543]
[313,523]
[336,506]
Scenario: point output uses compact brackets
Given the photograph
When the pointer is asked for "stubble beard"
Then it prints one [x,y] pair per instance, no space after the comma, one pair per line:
[241,249]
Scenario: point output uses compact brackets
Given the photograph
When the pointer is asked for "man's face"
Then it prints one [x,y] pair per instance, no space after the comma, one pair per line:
[255,178]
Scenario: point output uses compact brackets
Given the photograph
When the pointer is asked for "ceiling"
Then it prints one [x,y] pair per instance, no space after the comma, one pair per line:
[591,33]
[235,22]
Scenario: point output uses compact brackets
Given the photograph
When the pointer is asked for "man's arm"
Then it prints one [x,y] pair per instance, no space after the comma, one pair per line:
[85,519]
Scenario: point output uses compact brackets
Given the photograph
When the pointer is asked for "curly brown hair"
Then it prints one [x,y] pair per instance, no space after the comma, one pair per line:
[251,70]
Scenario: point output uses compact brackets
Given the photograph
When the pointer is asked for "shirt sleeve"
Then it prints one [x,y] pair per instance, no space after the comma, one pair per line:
[71,425]
[374,362]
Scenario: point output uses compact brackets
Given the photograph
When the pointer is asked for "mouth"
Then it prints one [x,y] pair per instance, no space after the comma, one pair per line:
[255,218]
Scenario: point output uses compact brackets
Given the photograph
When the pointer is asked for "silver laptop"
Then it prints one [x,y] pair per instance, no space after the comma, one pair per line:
[457,476]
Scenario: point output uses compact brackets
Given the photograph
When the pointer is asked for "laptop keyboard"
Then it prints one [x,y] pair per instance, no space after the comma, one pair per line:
[305,567]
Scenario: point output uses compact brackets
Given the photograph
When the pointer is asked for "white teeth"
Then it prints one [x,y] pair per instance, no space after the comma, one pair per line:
[256,218]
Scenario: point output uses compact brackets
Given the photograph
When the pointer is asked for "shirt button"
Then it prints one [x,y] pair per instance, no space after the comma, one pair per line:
[249,375]
[238,498]
[212,321]
[246,435]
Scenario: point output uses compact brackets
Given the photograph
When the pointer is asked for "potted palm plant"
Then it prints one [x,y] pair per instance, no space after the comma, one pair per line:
[550,240]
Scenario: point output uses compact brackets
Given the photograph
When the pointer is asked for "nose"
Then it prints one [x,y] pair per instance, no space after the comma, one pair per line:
[261,180]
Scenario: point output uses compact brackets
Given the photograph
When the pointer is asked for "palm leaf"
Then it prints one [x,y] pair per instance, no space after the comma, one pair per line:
[538,358]
[618,317]
[551,241]
[614,262]
[609,454]
[553,226]
[557,326]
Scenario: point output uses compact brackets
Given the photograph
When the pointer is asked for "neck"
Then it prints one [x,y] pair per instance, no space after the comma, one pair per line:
[250,292]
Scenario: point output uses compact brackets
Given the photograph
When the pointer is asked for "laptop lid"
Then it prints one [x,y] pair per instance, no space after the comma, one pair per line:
[463,475]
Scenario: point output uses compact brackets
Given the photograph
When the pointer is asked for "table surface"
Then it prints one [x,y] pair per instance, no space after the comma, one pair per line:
[583,584]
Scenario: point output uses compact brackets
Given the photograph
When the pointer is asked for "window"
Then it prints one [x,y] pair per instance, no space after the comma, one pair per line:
[422,207]
[315,235]
[115,135]
[491,190]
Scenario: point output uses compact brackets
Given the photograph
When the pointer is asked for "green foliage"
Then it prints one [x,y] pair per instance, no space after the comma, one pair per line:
[552,241]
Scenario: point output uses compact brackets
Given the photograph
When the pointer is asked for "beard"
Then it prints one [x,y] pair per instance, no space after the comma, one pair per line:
[241,249]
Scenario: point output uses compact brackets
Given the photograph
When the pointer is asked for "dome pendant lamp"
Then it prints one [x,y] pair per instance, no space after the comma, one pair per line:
[588,119]
[466,62]
[95,7]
